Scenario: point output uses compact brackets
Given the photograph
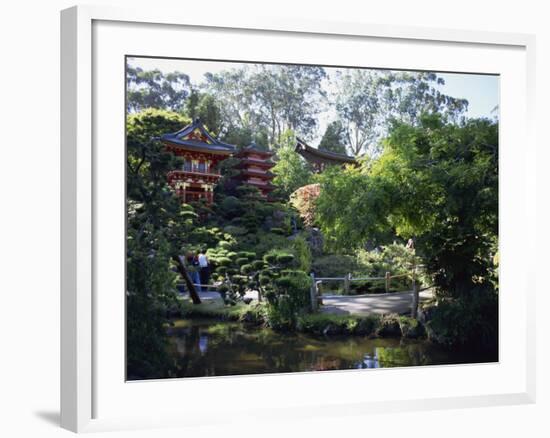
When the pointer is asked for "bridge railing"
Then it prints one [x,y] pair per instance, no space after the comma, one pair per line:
[317,297]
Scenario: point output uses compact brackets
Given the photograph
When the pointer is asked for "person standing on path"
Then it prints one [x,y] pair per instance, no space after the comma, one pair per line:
[204,271]
[193,268]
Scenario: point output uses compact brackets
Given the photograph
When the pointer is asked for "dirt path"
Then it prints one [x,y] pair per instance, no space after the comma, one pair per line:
[394,302]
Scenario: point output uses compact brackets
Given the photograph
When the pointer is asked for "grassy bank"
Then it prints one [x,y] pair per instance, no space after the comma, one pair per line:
[391,325]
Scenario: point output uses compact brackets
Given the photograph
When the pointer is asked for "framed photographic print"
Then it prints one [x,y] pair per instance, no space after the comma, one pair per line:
[275,207]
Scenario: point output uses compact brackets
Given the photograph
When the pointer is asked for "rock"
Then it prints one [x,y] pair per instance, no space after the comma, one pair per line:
[331,330]
[366,326]
[315,241]
[247,300]
[389,326]
[411,328]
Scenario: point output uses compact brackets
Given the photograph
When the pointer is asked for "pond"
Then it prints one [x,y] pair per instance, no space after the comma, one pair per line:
[203,347]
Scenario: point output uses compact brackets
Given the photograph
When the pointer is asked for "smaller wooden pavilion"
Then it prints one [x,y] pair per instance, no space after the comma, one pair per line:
[254,166]
[320,159]
[201,153]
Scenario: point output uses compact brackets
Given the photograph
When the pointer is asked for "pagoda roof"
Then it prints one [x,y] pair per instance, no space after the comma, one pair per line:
[321,156]
[195,137]
[245,162]
[263,175]
[253,148]
[265,185]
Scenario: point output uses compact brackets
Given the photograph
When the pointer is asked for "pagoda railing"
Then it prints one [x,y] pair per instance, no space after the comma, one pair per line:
[193,173]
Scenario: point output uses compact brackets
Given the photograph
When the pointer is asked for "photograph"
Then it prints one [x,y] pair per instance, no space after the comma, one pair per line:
[285,218]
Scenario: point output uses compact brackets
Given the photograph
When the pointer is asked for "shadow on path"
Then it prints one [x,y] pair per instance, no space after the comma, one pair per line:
[395,302]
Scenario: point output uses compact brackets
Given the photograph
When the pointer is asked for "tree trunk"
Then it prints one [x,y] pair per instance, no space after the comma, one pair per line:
[188,283]
[415,297]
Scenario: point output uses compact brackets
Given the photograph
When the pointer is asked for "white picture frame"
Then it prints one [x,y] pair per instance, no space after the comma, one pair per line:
[82,369]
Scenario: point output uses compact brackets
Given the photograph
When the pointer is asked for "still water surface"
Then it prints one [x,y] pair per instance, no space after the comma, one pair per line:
[205,347]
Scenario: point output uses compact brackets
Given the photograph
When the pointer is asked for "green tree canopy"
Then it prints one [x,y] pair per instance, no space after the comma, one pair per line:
[291,171]
[437,182]
[154,89]
[269,98]
[205,107]
[334,138]
[367,101]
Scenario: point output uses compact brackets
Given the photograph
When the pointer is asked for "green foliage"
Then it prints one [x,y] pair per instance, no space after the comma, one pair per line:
[368,101]
[150,292]
[394,258]
[390,326]
[326,324]
[262,241]
[235,231]
[411,328]
[435,181]
[248,313]
[231,207]
[158,228]
[205,107]
[285,259]
[334,265]
[291,170]
[472,322]
[288,298]
[303,253]
[269,99]
[334,138]
[154,89]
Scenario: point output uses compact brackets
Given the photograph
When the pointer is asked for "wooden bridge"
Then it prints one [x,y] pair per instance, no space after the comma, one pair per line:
[388,302]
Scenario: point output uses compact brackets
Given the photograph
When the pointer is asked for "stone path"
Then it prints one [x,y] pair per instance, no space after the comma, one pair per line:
[393,302]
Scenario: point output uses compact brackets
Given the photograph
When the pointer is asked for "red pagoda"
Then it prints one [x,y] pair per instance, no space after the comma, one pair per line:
[201,153]
[255,164]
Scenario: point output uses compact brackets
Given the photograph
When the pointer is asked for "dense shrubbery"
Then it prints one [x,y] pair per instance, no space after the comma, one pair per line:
[325,324]
[334,265]
[150,292]
[303,253]
[460,322]
[288,298]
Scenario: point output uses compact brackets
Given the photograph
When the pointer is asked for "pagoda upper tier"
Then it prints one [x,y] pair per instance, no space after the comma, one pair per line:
[254,164]
[201,154]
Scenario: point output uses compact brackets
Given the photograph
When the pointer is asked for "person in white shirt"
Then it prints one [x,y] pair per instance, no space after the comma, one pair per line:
[204,271]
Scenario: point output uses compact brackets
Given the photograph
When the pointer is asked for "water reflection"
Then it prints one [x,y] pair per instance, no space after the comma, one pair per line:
[209,348]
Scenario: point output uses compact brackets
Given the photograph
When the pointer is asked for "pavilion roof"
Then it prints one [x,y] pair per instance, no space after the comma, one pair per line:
[321,156]
[195,137]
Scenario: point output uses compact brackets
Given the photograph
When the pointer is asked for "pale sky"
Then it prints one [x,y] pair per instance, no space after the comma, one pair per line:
[481,91]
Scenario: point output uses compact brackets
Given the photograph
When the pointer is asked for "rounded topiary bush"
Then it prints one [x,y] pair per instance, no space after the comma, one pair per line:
[241,261]
[284,282]
[247,269]
[270,258]
[285,259]
[231,207]
[224,261]
[257,265]
[264,280]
